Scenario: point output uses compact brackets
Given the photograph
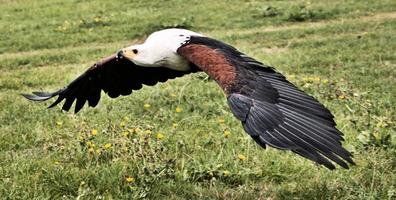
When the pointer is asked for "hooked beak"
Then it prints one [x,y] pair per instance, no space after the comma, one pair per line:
[120,54]
[125,53]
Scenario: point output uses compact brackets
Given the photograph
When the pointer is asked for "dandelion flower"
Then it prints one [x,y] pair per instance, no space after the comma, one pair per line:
[129,179]
[126,118]
[174,125]
[160,136]
[226,173]
[98,151]
[341,96]
[146,105]
[107,146]
[94,132]
[147,131]
[123,124]
[90,144]
[220,120]
[178,109]
[325,81]
[91,150]
[241,157]
[125,133]
[59,123]
[227,133]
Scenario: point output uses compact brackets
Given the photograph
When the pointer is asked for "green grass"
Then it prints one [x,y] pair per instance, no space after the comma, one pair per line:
[341,52]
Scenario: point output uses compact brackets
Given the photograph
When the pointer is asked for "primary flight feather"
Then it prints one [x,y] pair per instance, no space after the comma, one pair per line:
[273,111]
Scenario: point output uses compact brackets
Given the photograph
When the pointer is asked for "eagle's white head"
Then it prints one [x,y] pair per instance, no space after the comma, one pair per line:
[160,49]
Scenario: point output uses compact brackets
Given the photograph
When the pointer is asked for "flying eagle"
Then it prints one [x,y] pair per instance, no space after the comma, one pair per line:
[273,111]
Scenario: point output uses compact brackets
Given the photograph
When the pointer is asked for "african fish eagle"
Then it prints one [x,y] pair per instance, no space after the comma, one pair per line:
[273,111]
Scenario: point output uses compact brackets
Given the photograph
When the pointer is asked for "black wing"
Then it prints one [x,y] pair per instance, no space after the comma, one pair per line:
[112,75]
[273,111]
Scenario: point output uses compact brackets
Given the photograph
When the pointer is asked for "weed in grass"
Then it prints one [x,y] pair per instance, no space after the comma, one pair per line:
[270,11]
[302,12]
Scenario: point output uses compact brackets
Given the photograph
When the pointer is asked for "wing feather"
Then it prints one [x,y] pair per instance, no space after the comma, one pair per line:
[273,111]
[112,75]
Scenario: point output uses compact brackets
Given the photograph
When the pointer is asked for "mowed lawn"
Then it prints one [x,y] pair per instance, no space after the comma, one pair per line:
[178,140]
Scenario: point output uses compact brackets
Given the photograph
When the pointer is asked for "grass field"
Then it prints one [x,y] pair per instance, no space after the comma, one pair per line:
[178,140]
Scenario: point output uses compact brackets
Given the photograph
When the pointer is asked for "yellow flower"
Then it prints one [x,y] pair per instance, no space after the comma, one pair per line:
[91,150]
[341,96]
[122,124]
[125,133]
[241,157]
[146,105]
[178,109]
[221,120]
[81,138]
[94,132]
[90,144]
[59,123]
[160,136]
[129,179]
[98,151]
[174,125]
[227,133]
[147,131]
[325,81]
[226,173]
[107,146]
[126,118]
[56,163]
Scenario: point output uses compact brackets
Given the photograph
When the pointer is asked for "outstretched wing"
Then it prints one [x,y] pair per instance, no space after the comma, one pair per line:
[112,75]
[272,110]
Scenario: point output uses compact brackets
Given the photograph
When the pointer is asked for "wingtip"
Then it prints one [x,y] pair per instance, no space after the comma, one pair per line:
[27,96]
[351,162]
[34,97]
[39,96]
[42,94]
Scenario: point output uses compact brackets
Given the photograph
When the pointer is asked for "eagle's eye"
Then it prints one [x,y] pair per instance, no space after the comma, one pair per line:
[135,51]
